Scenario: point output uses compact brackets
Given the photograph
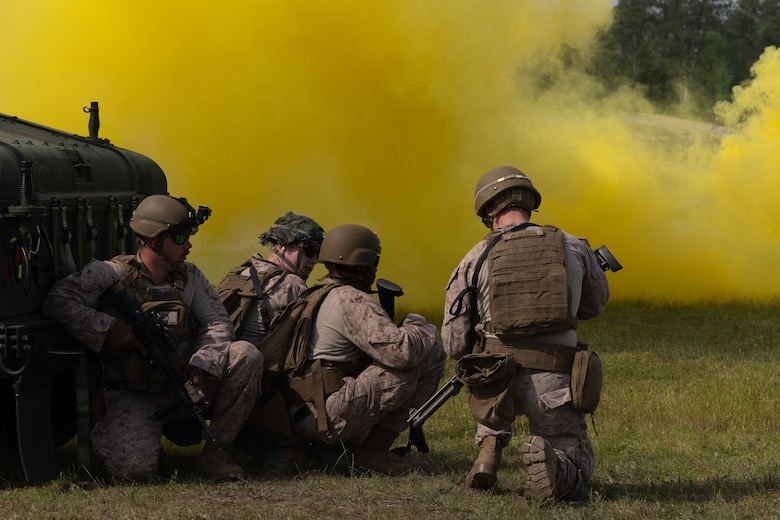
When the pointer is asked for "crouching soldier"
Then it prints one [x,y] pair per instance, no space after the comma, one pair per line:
[363,372]
[159,280]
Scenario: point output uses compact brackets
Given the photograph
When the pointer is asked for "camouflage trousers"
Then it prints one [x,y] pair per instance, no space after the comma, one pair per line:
[545,398]
[379,395]
[128,439]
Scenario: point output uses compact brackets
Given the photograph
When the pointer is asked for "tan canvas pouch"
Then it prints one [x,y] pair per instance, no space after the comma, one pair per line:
[587,377]
[490,389]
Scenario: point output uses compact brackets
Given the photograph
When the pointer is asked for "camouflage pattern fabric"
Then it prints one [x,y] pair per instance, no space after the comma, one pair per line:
[404,367]
[281,290]
[544,397]
[126,438]
[292,227]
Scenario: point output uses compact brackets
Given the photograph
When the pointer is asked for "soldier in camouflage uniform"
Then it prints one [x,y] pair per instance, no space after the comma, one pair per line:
[253,299]
[558,453]
[160,279]
[381,369]
[294,241]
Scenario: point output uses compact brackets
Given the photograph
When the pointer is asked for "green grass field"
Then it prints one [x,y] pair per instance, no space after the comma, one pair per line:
[687,428]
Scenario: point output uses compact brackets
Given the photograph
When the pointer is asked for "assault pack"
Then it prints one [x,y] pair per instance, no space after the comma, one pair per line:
[238,291]
[286,346]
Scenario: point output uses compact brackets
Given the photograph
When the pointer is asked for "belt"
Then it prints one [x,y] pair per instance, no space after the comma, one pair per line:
[537,356]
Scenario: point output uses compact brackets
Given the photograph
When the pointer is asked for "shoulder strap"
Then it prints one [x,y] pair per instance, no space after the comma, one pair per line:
[262,296]
[129,268]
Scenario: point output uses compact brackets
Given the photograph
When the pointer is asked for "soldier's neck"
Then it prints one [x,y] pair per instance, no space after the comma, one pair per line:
[156,266]
[510,216]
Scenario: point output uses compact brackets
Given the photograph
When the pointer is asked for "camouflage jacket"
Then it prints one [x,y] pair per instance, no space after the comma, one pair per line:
[75,303]
[280,289]
[350,323]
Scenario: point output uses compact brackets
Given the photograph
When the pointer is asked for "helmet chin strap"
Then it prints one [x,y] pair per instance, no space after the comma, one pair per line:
[157,250]
[295,268]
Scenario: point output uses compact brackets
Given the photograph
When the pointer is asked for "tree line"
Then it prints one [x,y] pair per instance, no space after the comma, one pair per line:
[685,54]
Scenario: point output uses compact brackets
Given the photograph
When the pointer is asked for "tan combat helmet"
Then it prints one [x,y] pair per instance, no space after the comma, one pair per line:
[501,188]
[158,214]
[351,245]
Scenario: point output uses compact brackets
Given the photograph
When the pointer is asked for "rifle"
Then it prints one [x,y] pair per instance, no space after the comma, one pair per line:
[158,341]
[388,292]
[417,416]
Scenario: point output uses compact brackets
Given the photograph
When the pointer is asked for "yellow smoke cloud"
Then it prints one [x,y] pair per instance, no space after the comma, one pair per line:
[386,113]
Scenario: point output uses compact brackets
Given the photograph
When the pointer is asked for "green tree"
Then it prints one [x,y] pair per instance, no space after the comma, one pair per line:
[686,39]
[752,26]
[632,33]
[668,48]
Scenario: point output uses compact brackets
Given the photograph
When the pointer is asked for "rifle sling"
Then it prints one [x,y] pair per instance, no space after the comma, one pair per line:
[262,297]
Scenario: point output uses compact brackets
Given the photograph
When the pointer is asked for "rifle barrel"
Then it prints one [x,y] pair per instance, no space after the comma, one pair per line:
[418,416]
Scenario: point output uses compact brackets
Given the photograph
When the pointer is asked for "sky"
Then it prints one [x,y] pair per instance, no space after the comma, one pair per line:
[386,114]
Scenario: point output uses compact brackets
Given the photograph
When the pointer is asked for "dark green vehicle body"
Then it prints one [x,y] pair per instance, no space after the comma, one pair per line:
[64,199]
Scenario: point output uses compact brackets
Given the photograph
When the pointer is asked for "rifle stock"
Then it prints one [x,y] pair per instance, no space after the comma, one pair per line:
[155,337]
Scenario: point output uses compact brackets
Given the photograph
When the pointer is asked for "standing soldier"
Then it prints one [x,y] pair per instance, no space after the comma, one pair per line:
[160,281]
[364,371]
[521,295]
[256,290]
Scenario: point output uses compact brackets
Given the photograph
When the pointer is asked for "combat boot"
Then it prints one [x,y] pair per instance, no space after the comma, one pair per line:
[375,455]
[541,469]
[484,473]
[215,463]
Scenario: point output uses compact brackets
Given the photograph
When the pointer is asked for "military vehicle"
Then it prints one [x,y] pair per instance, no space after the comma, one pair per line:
[64,199]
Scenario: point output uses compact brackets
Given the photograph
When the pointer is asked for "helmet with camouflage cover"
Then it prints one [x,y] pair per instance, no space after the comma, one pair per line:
[293,228]
[158,214]
[351,245]
[501,188]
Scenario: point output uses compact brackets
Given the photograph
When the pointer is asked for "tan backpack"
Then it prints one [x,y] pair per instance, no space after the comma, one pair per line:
[238,291]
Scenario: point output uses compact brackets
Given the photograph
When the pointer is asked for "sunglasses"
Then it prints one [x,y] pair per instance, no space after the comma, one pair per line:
[179,239]
[310,250]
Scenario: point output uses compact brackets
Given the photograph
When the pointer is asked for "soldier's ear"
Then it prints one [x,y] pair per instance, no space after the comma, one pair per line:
[152,242]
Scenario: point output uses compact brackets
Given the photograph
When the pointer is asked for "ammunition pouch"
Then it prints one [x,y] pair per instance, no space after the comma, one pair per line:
[167,302]
[131,370]
[490,389]
[587,376]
